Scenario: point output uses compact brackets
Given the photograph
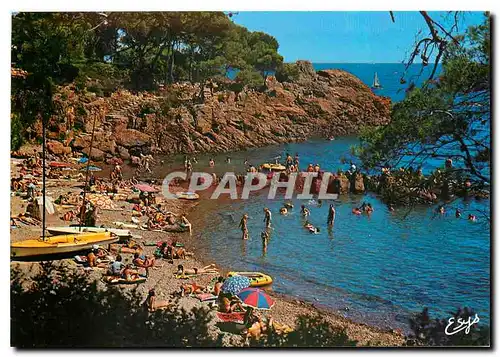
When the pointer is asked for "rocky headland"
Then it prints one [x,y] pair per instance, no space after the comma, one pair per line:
[213,117]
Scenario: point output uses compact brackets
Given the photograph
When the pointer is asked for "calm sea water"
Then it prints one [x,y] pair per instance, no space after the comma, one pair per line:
[377,269]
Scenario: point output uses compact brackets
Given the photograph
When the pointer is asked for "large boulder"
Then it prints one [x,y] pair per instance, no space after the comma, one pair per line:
[359,185]
[102,142]
[97,155]
[345,185]
[57,148]
[123,153]
[131,138]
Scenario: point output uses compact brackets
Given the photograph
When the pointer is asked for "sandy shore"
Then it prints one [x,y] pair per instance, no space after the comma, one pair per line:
[286,308]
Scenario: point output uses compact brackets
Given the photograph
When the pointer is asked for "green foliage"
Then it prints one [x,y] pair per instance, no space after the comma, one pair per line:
[431,332]
[103,52]
[287,72]
[16,132]
[249,78]
[447,118]
[58,307]
[310,331]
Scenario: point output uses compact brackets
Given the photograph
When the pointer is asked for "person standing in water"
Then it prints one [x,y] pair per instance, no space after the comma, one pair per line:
[265,239]
[244,227]
[296,161]
[304,211]
[267,217]
[331,215]
[211,163]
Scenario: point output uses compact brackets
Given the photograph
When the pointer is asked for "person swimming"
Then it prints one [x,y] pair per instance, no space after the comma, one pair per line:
[304,211]
[288,205]
[283,211]
[356,211]
[312,229]
[458,214]
[472,218]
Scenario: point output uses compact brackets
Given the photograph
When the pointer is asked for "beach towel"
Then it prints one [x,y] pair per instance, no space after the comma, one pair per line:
[231,316]
[102,201]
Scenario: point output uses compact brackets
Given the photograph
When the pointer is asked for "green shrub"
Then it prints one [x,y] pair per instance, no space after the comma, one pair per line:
[250,78]
[287,72]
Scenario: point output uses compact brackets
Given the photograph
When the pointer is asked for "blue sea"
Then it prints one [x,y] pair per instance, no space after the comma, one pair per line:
[378,269]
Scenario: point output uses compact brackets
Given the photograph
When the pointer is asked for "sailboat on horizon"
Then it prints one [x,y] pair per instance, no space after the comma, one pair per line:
[376,84]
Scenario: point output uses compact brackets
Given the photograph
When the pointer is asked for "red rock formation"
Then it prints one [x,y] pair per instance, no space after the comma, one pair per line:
[184,118]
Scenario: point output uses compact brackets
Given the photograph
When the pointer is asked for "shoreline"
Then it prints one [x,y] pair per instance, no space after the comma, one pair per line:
[286,309]
[330,313]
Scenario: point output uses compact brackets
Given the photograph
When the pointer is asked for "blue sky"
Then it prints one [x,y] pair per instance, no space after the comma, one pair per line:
[349,37]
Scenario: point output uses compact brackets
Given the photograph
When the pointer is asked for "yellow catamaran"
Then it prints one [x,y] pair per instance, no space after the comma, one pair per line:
[62,244]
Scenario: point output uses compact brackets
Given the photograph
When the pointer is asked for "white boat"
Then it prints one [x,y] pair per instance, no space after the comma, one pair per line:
[376,83]
[63,244]
[78,230]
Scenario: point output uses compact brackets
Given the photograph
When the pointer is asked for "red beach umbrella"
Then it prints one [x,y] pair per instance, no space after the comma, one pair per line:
[256,298]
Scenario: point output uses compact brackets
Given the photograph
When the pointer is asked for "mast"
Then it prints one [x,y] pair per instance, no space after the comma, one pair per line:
[43,177]
[376,83]
[87,173]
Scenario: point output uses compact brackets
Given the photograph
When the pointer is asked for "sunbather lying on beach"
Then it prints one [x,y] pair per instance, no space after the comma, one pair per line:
[152,304]
[143,261]
[97,257]
[229,306]
[172,252]
[195,271]
[129,273]
[192,288]
[255,325]
[118,248]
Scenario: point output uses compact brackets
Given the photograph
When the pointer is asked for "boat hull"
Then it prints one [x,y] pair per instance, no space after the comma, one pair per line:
[76,230]
[60,244]
[256,278]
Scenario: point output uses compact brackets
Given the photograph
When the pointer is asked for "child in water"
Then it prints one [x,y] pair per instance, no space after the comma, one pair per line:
[304,211]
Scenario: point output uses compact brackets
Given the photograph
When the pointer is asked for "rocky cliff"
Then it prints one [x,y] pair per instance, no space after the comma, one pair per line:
[188,118]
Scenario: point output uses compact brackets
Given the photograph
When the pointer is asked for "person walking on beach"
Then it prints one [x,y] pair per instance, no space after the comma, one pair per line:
[146,164]
[243,226]
[331,215]
[267,217]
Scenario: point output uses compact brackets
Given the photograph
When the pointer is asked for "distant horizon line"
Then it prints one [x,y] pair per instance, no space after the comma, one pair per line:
[430,63]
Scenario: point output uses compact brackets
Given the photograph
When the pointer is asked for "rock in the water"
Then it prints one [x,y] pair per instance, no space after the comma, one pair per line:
[359,185]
